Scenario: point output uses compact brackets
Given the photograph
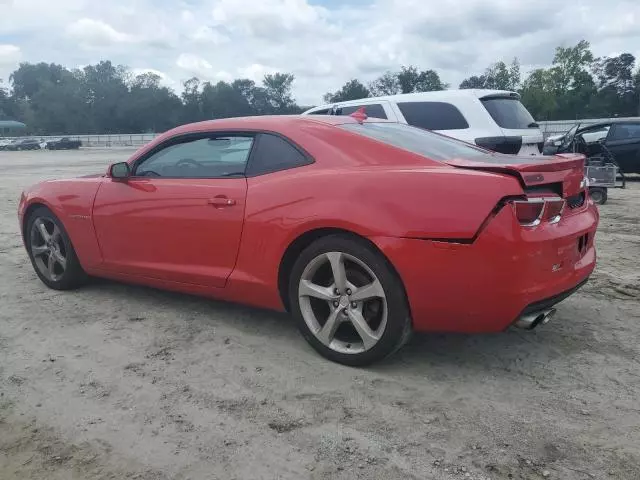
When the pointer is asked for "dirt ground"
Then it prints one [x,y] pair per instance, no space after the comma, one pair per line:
[118,382]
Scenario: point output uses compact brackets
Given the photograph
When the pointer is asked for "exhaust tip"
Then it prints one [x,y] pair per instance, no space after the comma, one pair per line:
[532,320]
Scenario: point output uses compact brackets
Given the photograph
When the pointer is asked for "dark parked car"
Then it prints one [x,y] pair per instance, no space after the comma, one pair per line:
[28,144]
[620,137]
[64,143]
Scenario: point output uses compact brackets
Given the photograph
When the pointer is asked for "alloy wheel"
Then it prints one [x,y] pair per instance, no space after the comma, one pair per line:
[48,249]
[343,302]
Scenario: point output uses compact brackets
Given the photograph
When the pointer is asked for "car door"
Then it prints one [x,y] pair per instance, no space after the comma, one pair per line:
[624,143]
[179,216]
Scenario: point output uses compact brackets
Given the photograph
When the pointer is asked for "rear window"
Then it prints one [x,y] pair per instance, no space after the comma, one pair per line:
[429,144]
[509,113]
[374,110]
[433,115]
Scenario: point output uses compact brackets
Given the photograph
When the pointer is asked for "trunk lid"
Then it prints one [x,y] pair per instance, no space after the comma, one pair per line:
[564,170]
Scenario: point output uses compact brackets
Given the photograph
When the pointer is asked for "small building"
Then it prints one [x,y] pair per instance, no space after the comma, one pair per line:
[11,128]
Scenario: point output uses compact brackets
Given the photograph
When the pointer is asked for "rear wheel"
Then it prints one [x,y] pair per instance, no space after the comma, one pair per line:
[349,303]
[51,252]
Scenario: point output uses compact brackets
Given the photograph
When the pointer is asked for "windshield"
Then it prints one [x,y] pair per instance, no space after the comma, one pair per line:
[509,113]
[423,142]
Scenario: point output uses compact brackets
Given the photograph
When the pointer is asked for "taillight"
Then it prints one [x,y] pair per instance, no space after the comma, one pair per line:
[533,211]
[529,214]
[553,210]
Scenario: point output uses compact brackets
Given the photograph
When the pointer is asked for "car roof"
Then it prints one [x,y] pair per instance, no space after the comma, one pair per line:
[446,95]
[610,122]
[265,122]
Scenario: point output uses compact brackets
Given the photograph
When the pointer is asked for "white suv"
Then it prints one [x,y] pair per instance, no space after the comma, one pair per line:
[493,119]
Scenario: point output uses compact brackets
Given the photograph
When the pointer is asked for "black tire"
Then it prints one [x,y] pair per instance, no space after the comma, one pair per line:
[398,327]
[73,275]
[598,195]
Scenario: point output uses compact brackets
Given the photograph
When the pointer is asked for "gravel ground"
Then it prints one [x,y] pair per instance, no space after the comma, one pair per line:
[115,381]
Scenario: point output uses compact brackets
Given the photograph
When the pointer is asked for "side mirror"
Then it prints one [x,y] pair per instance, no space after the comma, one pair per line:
[120,170]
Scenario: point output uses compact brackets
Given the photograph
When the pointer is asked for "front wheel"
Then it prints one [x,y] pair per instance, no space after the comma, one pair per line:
[349,303]
[51,252]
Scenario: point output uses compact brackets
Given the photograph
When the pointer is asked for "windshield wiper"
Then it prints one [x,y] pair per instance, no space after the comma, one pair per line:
[533,125]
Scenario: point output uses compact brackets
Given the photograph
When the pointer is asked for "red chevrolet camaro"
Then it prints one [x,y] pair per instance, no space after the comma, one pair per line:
[365,230]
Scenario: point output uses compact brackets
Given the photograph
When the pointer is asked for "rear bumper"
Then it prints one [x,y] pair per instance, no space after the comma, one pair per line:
[508,271]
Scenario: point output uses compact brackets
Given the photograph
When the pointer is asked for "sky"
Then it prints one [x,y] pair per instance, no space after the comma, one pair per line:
[323,43]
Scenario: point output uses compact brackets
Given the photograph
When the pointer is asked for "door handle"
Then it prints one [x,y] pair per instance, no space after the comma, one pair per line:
[221,201]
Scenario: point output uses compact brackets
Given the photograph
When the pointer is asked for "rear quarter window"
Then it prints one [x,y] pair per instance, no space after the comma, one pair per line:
[433,115]
[509,113]
[273,153]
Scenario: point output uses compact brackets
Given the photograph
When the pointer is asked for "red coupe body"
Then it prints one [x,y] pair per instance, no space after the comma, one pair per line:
[450,228]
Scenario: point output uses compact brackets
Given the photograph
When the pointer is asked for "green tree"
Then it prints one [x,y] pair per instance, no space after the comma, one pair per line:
[498,76]
[387,84]
[411,80]
[148,106]
[538,95]
[222,100]
[192,110]
[352,90]
[569,63]
[278,89]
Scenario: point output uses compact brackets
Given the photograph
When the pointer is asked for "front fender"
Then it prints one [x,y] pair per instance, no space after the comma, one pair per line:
[71,201]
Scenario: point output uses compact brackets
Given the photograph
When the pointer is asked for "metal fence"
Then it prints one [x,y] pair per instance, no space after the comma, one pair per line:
[558,127]
[548,128]
[115,140]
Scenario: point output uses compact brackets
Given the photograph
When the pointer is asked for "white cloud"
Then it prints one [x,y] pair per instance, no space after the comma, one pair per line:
[96,33]
[255,71]
[322,42]
[9,54]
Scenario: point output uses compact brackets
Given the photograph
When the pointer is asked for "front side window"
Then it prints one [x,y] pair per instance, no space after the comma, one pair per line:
[626,131]
[374,110]
[433,115]
[208,157]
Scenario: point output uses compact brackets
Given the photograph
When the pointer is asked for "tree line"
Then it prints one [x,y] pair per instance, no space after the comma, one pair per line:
[108,98]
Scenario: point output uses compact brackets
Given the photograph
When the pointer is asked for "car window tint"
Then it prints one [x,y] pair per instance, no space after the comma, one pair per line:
[273,153]
[509,113]
[209,157]
[433,115]
[374,110]
[625,131]
[428,144]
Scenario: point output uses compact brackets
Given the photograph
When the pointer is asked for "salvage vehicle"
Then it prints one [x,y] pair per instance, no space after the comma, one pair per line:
[620,137]
[64,143]
[23,144]
[364,230]
[601,167]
